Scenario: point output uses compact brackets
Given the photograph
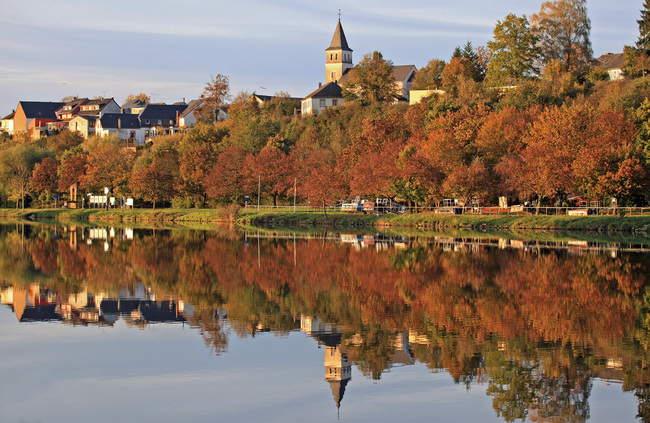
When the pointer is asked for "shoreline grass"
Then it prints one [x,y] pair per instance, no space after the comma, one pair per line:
[414,222]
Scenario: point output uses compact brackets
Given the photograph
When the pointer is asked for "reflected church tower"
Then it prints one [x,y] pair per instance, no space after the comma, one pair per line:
[338,371]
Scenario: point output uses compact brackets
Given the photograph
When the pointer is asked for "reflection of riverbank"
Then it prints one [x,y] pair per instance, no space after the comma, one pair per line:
[379,241]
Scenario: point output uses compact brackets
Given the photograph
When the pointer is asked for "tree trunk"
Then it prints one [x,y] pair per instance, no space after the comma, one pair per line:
[324,209]
[154,204]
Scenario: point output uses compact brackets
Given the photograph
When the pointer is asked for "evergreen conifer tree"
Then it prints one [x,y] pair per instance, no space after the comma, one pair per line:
[643,42]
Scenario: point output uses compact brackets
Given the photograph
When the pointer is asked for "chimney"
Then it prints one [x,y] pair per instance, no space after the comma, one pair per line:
[320,84]
[119,123]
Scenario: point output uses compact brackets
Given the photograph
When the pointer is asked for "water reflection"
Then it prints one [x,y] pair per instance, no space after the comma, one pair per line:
[535,321]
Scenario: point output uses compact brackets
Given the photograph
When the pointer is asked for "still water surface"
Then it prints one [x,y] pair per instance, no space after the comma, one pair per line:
[122,324]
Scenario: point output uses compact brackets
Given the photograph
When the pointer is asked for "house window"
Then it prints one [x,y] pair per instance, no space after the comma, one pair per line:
[335,102]
[323,103]
[147,121]
[159,121]
[333,76]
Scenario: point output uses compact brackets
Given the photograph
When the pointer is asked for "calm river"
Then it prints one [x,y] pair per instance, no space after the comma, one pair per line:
[109,324]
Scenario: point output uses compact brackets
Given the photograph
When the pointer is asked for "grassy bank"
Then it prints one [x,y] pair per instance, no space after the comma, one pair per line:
[230,214]
[431,221]
[218,215]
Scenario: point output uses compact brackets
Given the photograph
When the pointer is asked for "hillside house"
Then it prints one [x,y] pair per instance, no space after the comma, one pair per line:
[613,64]
[159,119]
[328,95]
[7,123]
[125,125]
[33,116]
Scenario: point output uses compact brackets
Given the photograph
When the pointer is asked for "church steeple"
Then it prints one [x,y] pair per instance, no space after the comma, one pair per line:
[338,58]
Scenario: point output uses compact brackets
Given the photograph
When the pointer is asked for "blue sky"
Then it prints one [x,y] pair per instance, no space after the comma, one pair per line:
[169,49]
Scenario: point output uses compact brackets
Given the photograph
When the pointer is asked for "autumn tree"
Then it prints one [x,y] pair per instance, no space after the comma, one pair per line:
[371,80]
[109,165]
[64,141]
[155,174]
[72,169]
[198,151]
[513,52]
[317,177]
[45,179]
[224,182]
[429,77]
[271,168]
[455,73]
[562,28]
[478,58]
[144,98]
[214,97]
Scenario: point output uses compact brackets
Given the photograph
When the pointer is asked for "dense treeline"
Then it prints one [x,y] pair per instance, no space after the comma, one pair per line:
[529,116]
[540,140]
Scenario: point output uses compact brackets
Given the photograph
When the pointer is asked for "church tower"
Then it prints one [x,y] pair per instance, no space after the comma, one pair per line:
[338,56]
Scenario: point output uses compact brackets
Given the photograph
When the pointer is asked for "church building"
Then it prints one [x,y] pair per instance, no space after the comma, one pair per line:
[339,69]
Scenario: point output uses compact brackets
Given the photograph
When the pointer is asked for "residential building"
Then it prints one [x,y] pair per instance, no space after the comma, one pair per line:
[613,64]
[84,124]
[134,106]
[159,119]
[263,99]
[33,116]
[415,96]
[125,125]
[70,108]
[99,106]
[187,119]
[7,123]
[328,95]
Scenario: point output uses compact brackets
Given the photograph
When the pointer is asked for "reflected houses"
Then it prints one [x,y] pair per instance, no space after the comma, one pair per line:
[30,304]
[137,307]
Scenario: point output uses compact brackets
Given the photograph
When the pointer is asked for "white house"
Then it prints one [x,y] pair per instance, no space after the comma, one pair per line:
[328,95]
[125,125]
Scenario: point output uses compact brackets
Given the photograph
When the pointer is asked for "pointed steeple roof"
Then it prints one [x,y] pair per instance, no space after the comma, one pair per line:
[338,40]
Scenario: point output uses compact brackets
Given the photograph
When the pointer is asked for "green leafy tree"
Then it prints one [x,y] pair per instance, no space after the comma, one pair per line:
[17,167]
[372,80]
[513,52]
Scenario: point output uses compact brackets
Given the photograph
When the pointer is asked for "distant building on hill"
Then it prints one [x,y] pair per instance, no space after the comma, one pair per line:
[339,69]
[613,64]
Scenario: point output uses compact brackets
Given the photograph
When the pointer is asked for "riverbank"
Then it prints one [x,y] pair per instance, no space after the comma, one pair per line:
[232,214]
[219,215]
[633,224]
